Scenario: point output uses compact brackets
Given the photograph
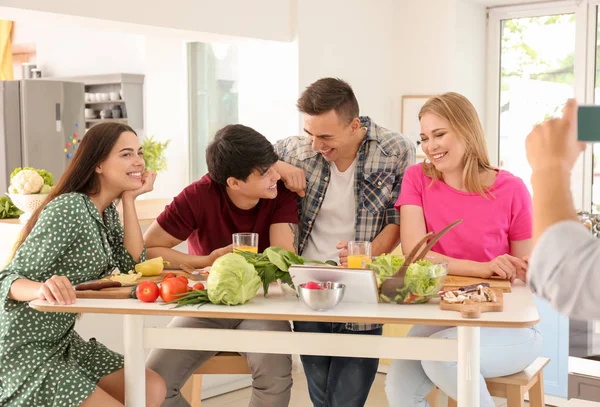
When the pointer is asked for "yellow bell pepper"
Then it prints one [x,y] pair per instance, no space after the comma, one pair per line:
[152,267]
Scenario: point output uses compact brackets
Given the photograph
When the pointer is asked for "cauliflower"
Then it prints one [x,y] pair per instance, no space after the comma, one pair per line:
[27,182]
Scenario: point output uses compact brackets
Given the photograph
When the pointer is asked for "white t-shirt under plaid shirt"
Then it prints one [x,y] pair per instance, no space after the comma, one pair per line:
[382,159]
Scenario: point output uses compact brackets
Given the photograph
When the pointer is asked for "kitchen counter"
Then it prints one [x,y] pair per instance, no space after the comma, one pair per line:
[147,210]
[9,221]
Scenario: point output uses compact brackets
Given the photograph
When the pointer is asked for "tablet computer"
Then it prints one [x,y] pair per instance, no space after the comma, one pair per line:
[361,286]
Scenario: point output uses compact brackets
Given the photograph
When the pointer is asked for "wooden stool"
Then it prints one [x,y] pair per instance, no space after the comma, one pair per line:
[221,363]
[514,387]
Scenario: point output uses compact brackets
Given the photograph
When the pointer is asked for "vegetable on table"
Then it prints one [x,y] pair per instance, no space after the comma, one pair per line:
[147,291]
[171,289]
[421,282]
[236,277]
[273,264]
[8,210]
[46,176]
[232,280]
[27,182]
[152,267]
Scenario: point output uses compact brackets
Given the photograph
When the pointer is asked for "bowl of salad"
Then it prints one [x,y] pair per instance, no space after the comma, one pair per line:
[422,281]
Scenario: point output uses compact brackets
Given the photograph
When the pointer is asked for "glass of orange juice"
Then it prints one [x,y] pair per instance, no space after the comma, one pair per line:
[245,242]
[357,253]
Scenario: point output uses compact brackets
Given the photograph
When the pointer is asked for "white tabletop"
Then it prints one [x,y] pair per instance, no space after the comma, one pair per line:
[519,310]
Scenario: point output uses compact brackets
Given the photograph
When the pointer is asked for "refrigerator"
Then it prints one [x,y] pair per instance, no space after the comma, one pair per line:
[41,124]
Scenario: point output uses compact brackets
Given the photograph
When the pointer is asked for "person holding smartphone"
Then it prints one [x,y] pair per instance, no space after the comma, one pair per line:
[563,267]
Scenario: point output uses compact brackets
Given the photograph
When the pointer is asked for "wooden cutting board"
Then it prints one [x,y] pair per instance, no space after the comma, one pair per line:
[125,292]
[497,306]
[454,282]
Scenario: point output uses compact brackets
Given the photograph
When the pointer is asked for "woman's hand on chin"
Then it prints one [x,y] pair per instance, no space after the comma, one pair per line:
[148,178]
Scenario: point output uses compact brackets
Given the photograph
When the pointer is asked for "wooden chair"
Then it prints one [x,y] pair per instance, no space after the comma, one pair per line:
[514,387]
[221,363]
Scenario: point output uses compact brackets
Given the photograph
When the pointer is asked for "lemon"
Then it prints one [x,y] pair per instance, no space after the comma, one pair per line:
[152,267]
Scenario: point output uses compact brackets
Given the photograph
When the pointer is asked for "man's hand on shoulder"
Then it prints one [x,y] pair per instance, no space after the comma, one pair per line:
[294,178]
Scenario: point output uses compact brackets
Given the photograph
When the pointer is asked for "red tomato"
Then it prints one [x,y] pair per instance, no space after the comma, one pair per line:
[311,285]
[169,275]
[183,278]
[170,288]
[147,291]
[198,286]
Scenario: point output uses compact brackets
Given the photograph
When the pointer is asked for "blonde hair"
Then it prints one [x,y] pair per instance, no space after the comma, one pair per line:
[464,121]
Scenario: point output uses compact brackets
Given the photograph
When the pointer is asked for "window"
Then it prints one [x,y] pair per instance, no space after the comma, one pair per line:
[254,83]
[213,97]
[536,77]
[537,60]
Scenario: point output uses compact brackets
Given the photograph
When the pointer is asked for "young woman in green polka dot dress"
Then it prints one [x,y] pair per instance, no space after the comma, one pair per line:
[75,237]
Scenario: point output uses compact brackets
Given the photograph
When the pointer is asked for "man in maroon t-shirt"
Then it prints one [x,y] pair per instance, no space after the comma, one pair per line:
[240,193]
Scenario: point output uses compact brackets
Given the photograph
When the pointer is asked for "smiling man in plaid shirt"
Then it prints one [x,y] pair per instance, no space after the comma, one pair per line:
[347,172]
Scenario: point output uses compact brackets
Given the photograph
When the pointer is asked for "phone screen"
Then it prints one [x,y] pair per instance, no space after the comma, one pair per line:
[588,124]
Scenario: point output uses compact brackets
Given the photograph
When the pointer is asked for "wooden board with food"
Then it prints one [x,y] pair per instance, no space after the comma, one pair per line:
[471,301]
[122,285]
[455,282]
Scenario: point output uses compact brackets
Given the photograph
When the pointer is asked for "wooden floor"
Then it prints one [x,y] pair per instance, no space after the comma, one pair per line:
[300,397]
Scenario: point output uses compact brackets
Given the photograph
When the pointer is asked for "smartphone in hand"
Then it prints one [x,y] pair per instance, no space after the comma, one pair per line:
[588,124]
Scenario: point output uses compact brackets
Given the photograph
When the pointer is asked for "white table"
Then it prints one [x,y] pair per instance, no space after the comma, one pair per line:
[519,311]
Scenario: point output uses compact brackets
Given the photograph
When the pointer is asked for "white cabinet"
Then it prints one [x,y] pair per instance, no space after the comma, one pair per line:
[120,92]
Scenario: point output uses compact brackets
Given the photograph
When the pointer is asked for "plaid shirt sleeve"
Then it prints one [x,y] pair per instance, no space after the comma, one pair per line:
[392,216]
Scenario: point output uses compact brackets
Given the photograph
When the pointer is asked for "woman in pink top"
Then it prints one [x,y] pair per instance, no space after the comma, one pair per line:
[458,182]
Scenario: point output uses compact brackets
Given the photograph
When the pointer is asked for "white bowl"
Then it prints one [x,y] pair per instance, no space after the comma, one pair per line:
[114,96]
[27,203]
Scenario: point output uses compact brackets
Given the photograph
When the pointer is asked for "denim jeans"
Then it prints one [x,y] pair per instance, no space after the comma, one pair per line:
[337,381]
[504,352]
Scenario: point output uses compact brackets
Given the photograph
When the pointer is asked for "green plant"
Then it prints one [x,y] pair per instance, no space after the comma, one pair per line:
[154,154]
[8,209]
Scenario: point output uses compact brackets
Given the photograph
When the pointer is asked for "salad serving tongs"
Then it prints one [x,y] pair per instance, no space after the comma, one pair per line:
[390,287]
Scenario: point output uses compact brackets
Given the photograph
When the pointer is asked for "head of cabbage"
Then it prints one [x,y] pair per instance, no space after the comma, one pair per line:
[232,280]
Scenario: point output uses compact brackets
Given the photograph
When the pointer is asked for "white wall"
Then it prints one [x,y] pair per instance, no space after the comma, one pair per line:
[395,48]
[70,51]
[443,49]
[425,34]
[470,53]
[166,109]
[264,19]
[354,40]
[268,86]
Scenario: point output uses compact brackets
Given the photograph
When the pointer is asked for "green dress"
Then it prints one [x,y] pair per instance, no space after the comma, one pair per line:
[43,361]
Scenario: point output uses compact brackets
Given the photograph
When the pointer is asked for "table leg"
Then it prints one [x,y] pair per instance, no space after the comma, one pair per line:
[135,367]
[468,366]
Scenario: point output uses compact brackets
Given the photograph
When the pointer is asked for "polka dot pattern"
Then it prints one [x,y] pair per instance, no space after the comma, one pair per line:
[43,361]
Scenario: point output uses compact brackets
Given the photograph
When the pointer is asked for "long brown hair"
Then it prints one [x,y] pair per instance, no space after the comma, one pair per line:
[463,119]
[81,175]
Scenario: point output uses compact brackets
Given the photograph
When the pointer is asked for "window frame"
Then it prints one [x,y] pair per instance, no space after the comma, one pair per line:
[582,172]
